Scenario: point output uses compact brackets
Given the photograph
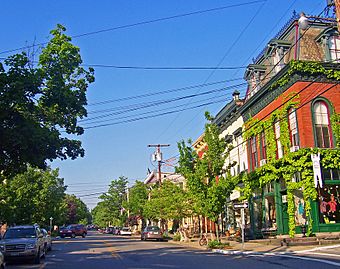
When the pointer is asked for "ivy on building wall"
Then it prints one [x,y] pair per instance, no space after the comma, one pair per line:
[335,120]
[292,162]
[305,68]
[285,168]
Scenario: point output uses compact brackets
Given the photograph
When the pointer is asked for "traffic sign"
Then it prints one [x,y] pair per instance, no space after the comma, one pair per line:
[241,205]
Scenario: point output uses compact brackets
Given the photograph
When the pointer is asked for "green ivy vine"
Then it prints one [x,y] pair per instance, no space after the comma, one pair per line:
[291,162]
[305,68]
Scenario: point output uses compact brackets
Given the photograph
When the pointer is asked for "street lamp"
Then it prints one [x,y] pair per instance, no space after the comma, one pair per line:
[51,219]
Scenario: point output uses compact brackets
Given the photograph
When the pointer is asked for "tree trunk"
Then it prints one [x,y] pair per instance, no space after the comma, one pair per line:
[217,232]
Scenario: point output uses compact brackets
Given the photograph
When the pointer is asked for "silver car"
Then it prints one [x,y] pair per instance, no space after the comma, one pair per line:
[47,240]
[23,242]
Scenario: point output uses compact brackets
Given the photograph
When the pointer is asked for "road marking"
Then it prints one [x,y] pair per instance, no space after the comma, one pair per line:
[318,248]
[324,254]
[302,258]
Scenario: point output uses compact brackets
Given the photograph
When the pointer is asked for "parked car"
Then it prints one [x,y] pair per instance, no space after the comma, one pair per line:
[47,240]
[125,231]
[116,230]
[152,232]
[2,261]
[73,230]
[23,242]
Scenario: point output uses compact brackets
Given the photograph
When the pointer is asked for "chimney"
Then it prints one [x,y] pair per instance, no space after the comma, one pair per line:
[236,96]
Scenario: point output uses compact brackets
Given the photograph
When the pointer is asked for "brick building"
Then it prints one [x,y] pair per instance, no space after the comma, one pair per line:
[291,132]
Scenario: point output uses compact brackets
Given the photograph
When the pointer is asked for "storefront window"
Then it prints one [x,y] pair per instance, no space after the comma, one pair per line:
[300,213]
[257,213]
[329,204]
[270,212]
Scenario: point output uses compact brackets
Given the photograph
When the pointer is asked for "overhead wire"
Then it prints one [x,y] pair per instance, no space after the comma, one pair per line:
[155,111]
[152,116]
[219,63]
[138,106]
[295,44]
[143,23]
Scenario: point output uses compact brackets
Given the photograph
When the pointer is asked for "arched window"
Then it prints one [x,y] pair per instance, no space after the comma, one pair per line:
[322,125]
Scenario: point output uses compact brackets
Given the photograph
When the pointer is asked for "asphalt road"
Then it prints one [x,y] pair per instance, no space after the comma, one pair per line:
[98,251]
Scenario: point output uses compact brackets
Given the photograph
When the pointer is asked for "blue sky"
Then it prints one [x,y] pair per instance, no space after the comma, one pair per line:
[228,37]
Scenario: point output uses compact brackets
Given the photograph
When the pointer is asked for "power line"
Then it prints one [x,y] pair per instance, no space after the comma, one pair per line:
[144,23]
[295,44]
[220,62]
[165,67]
[152,116]
[163,92]
[135,107]
[155,111]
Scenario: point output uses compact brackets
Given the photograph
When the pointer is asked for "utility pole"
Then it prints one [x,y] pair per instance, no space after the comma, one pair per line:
[158,157]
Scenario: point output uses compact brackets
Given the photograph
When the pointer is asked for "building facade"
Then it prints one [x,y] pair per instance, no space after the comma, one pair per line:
[289,122]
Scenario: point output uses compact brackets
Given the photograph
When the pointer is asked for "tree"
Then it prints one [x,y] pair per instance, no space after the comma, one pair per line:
[167,202]
[114,199]
[101,214]
[33,197]
[39,104]
[76,210]
[207,180]
[136,200]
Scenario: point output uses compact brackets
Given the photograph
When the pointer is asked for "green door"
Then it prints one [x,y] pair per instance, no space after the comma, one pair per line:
[285,218]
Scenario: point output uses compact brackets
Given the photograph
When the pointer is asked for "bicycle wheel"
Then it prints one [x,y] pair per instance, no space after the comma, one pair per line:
[203,241]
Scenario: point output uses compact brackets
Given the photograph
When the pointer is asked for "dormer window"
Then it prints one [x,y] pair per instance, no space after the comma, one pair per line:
[330,42]
[254,75]
[278,59]
[334,48]
[275,53]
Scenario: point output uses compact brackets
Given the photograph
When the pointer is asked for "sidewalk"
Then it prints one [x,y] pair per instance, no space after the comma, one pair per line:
[258,247]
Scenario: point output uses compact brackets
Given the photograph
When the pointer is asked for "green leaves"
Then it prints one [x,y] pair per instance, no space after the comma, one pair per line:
[33,197]
[111,206]
[205,180]
[37,103]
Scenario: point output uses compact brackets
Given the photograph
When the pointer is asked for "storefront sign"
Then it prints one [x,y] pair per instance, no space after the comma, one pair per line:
[235,195]
[316,170]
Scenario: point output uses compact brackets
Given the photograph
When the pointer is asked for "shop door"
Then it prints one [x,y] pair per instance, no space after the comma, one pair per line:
[285,218]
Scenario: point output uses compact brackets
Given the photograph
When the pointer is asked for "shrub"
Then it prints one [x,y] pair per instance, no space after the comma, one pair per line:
[217,244]
[177,237]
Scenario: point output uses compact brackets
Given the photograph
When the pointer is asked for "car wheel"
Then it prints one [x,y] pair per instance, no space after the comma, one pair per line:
[37,258]
[73,235]
[83,235]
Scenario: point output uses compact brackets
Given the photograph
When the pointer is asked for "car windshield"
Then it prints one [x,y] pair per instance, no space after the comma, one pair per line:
[20,233]
[70,227]
[153,228]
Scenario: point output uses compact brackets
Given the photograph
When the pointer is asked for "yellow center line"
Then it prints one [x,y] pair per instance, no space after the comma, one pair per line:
[113,250]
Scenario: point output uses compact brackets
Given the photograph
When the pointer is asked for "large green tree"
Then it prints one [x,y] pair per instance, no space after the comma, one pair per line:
[114,198]
[101,215]
[76,210]
[167,202]
[208,181]
[137,197]
[33,197]
[40,104]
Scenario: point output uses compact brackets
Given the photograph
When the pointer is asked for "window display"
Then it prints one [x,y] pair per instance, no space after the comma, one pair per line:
[270,213]
[300,214]
[329,208]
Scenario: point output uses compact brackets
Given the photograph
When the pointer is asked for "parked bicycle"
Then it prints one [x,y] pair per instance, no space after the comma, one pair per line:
[203,240]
